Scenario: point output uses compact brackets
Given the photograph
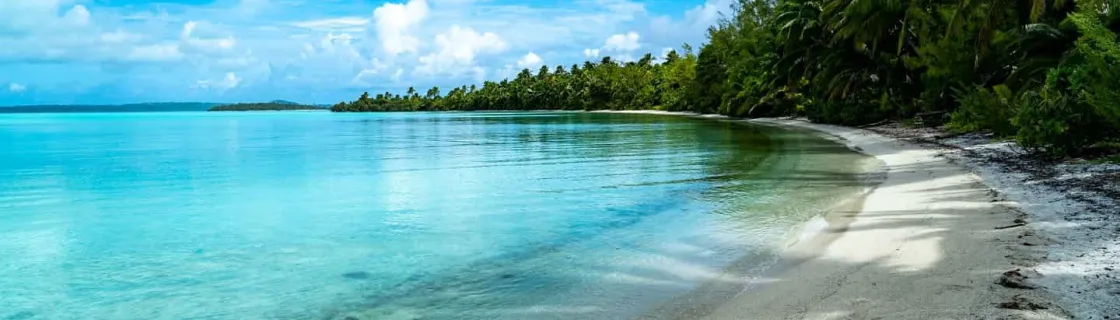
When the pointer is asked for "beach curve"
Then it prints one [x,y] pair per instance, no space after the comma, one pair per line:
[929,243]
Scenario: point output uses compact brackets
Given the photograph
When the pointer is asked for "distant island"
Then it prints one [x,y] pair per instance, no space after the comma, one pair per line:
[277,105]
[133,107]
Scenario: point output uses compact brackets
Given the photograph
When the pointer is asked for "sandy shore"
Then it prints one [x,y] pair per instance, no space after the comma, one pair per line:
[934,240]
[927,244]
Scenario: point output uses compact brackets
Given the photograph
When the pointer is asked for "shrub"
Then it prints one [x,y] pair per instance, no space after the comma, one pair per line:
[1057,122]
[987,110]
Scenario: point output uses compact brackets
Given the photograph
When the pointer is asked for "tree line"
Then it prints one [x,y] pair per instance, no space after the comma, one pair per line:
[1046,73]
[278,105]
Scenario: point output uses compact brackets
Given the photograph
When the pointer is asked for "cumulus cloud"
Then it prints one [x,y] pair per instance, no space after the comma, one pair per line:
[230,81]
[394,23]
[78,15]
[457,48]
[46,30]
[230,44]
[530,60]
[16,88]
[623,42]
[24,16]
[590,53]
[333,59]
[695,22]
[211,44]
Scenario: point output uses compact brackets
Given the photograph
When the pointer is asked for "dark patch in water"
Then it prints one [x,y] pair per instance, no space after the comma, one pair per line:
[22,315]
[357,275]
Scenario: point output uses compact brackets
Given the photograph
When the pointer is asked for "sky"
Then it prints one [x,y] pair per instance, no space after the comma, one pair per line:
[314,51]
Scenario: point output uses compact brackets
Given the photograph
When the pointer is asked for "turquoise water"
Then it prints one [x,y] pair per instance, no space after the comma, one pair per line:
[315,215]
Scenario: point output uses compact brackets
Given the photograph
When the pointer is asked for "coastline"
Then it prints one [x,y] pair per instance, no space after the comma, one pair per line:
[927,244]
[930,242]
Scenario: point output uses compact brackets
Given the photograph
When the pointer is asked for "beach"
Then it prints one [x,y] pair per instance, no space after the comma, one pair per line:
[930,242]
[960,228]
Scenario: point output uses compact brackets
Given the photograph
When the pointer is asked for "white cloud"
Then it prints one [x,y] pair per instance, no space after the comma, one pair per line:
[272,46]
[16,88]
[335,52]
[374,68]
[155,52]
[529,60]
[394,22]
[479,73]
[706,14]
[624,10]
[335,45]
[397,75]
[695,22]
[78,15]
[623,42]
[590,53]
[237,62]
[665,52]
[341,24]
[188,29]
[229,82]
[457,49]
[335,58]
[119,36]
[25,16]
[46,30]
[190,40]
[623,58]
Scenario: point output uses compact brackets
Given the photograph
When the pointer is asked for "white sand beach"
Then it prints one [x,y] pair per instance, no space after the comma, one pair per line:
[935,239]
[928,243]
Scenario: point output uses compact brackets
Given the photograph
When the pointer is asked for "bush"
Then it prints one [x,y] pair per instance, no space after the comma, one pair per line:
[1056,122]
[985,110]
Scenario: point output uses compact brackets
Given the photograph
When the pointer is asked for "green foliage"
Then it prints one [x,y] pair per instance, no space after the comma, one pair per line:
[1043,72]
[1053,122]
[982,109]
[1096,78]
[641,84]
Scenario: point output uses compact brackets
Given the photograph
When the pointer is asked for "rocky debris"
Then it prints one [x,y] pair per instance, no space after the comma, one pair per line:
[1014,279]
[1020,302]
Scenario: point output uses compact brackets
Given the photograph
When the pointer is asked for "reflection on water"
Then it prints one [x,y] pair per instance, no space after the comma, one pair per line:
[386,216]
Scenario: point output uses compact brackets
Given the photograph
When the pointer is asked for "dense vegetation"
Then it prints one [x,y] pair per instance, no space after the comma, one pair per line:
[278,105]
[1043,72]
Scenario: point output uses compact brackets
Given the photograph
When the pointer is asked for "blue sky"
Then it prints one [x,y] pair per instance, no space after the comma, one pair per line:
[313,51]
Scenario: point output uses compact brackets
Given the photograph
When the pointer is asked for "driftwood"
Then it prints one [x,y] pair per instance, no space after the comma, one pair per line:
[1011,226]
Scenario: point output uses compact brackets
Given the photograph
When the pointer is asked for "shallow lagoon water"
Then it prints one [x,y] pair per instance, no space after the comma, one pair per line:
[394,215]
